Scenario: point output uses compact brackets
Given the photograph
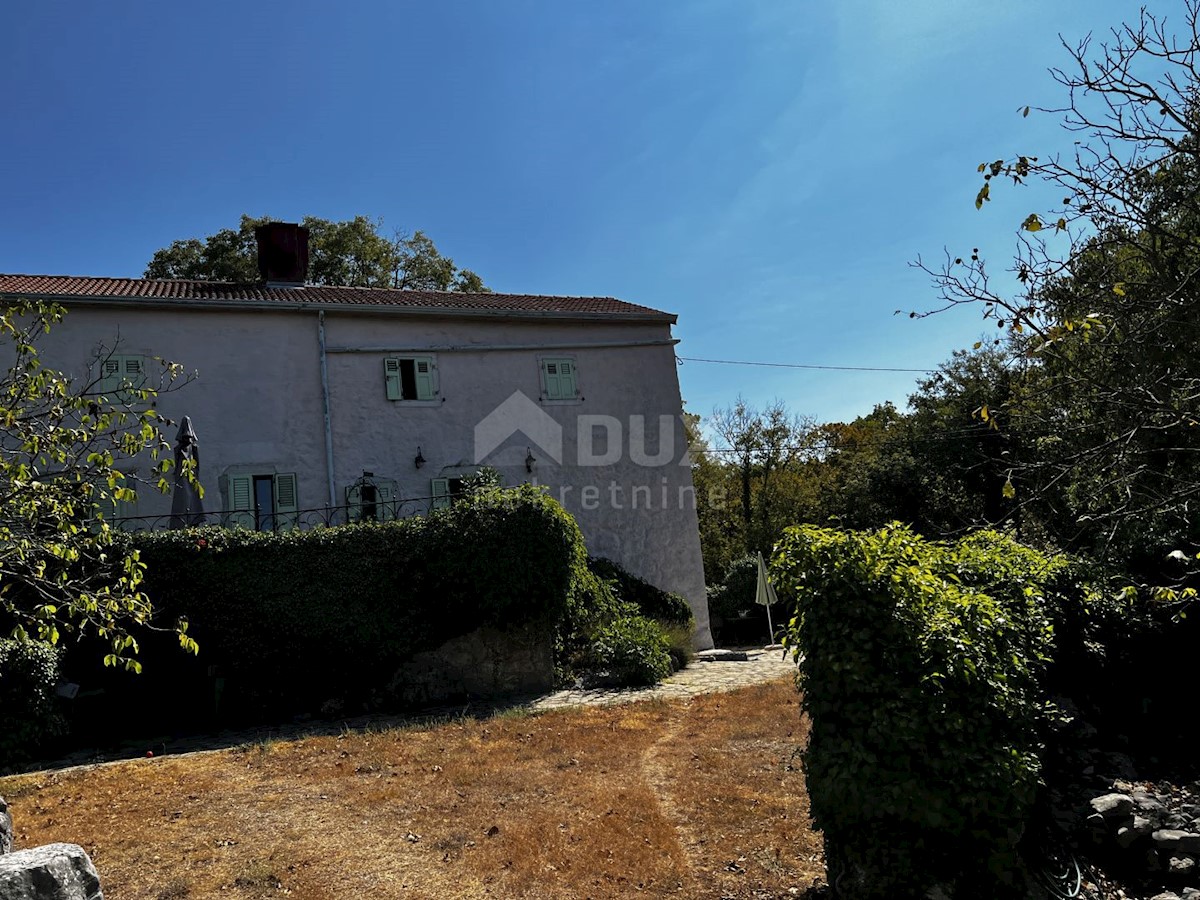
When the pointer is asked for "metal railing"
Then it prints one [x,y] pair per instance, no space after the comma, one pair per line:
[303,519]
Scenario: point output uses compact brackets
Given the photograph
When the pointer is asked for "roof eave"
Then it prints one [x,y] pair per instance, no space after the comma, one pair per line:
[358,308]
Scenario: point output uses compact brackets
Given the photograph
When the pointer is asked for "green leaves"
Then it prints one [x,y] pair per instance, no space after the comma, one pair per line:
[59,570]
[983,196]
[919,664]
[352,252]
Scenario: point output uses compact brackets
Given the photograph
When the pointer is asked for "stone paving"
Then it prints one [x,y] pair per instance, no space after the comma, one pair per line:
[700,677]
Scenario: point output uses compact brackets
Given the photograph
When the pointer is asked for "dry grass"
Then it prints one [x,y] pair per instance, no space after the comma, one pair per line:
[699,798]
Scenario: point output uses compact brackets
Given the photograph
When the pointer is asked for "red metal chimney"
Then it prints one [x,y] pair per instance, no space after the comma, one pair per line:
[282,253]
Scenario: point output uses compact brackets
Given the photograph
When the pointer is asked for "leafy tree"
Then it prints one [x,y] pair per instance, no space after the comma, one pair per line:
[60,442]
[351,253]
[720,534]
[763,451]
[1107,314]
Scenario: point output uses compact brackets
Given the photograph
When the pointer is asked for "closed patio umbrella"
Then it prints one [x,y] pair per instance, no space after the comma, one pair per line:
[186,506]
[765,595]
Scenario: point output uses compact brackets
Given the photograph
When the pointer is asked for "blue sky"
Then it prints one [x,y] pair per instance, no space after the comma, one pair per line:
[766,170]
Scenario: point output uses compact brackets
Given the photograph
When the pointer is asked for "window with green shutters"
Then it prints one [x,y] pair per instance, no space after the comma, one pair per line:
[117,371]
[262,502]
[410,378]
[558,379]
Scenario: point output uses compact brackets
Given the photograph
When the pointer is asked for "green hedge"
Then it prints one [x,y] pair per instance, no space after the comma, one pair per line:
[288,621]
[651,602]
[28,711]
[919,664]
[670,612]
[631,650]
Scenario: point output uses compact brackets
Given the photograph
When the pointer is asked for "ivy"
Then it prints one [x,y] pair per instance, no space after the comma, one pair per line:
[920,665]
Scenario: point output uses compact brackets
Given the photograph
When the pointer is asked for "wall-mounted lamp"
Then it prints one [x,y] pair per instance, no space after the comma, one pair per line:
[529,460]
[420,460]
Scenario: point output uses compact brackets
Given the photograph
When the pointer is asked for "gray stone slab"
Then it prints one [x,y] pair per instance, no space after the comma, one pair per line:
[50,872]
[721,656]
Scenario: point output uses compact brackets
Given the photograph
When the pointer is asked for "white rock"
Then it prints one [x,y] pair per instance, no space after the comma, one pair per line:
[50,872]
[1113,806]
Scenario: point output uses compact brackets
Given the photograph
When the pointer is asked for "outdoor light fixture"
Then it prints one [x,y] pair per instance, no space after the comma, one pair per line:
[529,460]
[420,460]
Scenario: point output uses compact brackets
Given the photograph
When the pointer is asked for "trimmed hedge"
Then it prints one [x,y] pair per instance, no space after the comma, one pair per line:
[305,621]
[919,664]
[288,621]
[28,711]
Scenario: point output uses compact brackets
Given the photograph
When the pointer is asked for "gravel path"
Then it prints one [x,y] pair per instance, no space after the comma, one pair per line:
[703,676]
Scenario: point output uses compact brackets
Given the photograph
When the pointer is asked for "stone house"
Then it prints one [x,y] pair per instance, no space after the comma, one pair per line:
[320,405]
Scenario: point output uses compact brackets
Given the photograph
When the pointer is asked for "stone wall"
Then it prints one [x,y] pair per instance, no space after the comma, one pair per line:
[485,664]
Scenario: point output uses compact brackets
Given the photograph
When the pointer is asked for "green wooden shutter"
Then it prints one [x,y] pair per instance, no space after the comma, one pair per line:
[286,505]
[117,371]
[391,379]
[424,375]
[559,375]
[440,489]
[387,493]
[354,502]
[110,374]
[241,501]
[550,376]
[134,369]
[566,378]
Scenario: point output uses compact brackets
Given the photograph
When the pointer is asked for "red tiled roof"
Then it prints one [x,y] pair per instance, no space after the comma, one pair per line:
[66,287]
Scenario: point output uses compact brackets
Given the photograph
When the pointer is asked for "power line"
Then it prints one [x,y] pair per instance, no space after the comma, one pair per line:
[774,365]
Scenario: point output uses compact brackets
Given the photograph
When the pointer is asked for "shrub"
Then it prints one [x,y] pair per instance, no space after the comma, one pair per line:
[621,630]
[28,712]
[652,602]
[919,664]
[736,616]
[679,645]
[734,597]
[630,650]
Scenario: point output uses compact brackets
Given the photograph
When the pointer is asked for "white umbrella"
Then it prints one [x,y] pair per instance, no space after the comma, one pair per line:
[186,506]
[766,593]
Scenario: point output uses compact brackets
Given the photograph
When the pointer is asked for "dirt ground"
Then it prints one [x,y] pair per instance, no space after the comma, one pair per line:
[691,798]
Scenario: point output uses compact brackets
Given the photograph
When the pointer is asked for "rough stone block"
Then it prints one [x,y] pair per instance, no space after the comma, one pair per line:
[1176,841]
[6,832]
[50,872]
[484,664]
[1113,806]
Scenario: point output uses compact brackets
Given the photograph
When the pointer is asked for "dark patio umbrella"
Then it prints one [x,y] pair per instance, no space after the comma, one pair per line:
[186,506]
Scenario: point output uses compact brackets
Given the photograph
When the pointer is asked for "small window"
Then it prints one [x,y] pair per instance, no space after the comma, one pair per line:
[120,371]
[262,502]
[410,377]
[558,379]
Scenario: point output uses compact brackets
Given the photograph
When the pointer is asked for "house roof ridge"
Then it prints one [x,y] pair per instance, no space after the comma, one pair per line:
[116,288]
